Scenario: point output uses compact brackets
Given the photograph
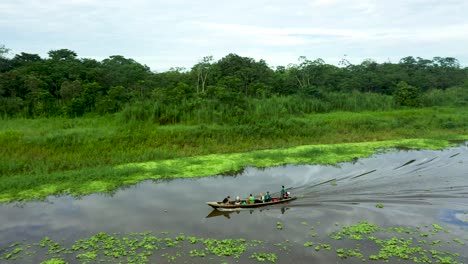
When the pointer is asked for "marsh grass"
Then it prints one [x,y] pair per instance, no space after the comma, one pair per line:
[40,157]
[110,178]
[254,110]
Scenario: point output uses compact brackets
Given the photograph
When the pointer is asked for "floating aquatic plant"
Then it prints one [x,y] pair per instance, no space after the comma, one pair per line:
[308,244]
[386,244]
[54,261]
[279,225]
[264,256]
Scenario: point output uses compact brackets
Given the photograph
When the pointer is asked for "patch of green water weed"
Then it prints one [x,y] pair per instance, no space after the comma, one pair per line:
[264,256]
[403,248]
[197,253]
[279,225]
[54,261]
[346,253]
[225,247]
[88,256]
[399,229]
[356,232]
[438,228]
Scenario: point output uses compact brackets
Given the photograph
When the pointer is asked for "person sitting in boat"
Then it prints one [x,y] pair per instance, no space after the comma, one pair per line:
[288,195]
[226,200]
[238,201]
[260,199]
[251,199]
[267,197]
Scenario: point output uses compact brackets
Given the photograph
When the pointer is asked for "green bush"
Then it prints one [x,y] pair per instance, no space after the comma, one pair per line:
[407,95]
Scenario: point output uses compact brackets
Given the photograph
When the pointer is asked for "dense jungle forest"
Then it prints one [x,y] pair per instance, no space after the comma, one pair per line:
[234,89]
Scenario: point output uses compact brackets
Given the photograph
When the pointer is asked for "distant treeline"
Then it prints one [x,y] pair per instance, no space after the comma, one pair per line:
[220,91]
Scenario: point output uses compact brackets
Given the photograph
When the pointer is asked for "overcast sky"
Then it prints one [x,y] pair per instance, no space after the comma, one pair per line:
[176,33]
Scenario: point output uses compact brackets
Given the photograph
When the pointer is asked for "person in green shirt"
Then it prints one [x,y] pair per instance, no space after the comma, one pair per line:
[267,197]
[251,199]
[283,192]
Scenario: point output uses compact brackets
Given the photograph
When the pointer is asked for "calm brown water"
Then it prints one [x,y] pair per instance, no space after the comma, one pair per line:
[417,188]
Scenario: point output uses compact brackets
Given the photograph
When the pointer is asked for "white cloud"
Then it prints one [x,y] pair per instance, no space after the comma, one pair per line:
[178,33]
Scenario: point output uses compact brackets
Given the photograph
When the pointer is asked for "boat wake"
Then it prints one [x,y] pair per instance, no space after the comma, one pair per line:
[418,177]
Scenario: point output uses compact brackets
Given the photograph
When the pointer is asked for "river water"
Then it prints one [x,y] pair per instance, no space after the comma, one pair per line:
[416,188]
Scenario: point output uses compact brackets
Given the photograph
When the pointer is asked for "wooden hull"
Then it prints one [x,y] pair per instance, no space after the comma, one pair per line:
[218,205]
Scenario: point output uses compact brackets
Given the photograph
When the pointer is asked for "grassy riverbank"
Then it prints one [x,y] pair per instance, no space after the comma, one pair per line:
[41,157]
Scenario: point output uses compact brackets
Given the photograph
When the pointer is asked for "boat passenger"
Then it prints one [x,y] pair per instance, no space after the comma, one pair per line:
[226,200]
[288,195]
[261,198]
[283,192]
[238,201]
[267,197]
[251,199]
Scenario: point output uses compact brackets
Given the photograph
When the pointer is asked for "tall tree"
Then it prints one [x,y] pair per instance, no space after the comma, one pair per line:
[119,70]
[4,62]
[62,54]
[245,69]
[24,59]
[3,51]
[202,70]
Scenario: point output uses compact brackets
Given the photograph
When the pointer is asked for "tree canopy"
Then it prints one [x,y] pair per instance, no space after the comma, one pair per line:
[65,85]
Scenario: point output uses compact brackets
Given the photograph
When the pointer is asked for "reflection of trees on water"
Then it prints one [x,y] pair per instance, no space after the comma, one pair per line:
[228,214]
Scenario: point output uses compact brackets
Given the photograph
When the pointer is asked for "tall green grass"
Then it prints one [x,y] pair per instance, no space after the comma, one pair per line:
[456,96]
[252,110]
[64,152]
[108,178]
[42,146]
[256,110]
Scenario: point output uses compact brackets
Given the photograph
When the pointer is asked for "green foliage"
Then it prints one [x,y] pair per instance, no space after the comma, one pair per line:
[264,256]
[377,243]
[407,95]
[457,96]
[230,108]
[10,106]
[54,261]
[356,232]
[65,85]
[279,225]
[139,248]
[62,54]
[393,248]
[3,51]
[225,247]
[346,253]
[47,156]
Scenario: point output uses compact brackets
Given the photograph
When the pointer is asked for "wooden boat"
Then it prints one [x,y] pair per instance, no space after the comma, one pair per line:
[233,205]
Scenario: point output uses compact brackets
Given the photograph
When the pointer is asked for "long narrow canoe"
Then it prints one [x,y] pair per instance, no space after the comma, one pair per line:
[233,205]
